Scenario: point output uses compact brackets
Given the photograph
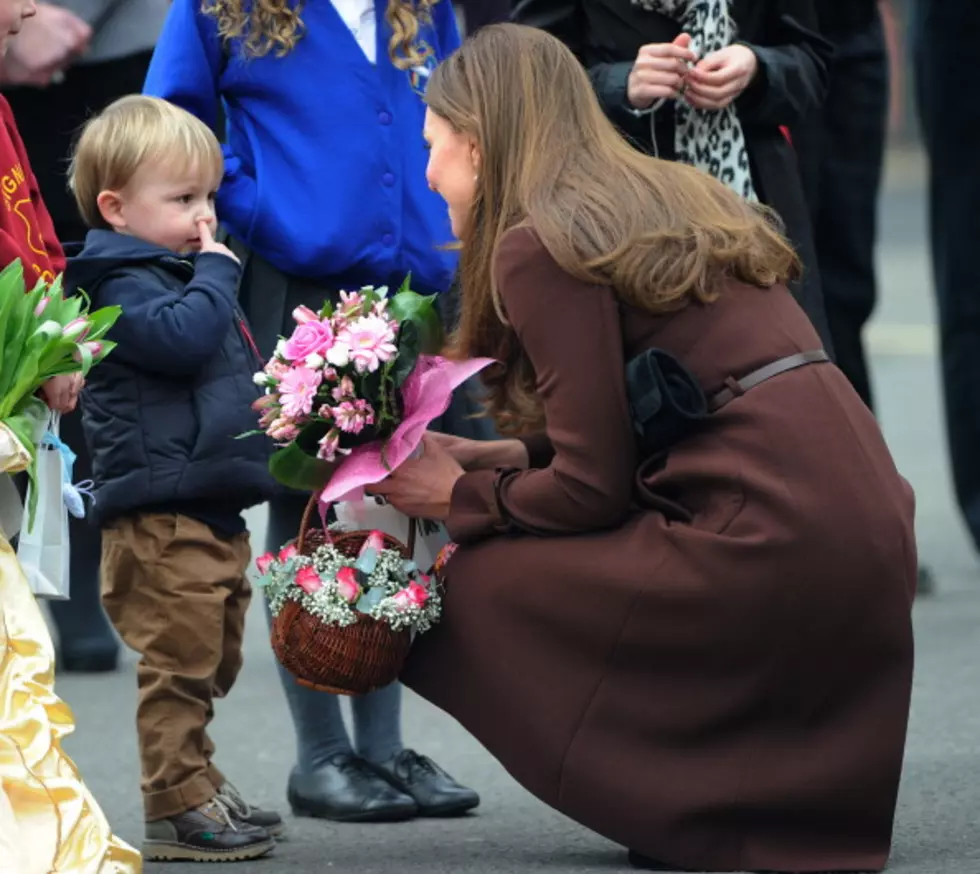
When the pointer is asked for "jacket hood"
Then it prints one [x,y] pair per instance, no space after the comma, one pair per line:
[105,251]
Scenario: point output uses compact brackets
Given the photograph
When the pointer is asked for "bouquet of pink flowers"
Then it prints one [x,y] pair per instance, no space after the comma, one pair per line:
[350,393]
[348,397]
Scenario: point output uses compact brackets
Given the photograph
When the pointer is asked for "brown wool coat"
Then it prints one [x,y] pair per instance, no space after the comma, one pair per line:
[725,693]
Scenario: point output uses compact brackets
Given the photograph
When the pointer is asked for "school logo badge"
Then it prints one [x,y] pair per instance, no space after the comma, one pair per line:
[418,76]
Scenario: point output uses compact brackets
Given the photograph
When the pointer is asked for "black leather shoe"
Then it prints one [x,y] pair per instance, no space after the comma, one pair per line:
[434,791]
[348,789]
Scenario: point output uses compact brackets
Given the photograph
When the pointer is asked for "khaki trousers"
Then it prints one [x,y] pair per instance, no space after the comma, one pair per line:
[177,594]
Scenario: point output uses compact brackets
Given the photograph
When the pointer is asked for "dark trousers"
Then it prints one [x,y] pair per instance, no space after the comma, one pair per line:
[48,120]
[842,153]
[945,38]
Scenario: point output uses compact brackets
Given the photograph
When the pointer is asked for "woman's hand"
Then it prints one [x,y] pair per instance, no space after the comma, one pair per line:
[721,77]
[659,71]
[423,487]
[482,454]
[60,393]
[463,451]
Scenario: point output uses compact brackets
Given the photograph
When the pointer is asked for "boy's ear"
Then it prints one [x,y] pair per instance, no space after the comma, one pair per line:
[110,204]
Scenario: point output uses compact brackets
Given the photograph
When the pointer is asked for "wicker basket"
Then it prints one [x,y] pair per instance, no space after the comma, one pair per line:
[353,660]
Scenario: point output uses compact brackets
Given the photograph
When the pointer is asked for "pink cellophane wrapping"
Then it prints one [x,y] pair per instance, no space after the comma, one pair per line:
[426,394]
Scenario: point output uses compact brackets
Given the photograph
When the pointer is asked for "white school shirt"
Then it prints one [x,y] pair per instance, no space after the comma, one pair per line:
[358,15]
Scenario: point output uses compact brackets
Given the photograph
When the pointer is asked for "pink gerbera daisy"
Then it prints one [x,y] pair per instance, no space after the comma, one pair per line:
[297,391]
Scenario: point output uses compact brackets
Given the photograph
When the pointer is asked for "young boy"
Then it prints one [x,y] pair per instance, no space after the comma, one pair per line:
[160,417]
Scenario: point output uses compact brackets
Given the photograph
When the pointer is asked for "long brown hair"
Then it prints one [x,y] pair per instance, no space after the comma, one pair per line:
[277,25]
[661,234]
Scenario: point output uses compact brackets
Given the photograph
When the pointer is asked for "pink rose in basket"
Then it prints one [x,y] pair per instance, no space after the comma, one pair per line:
[347,585]
[375,540]
[412,596]
[309,580]
[309,338]
[289,551]
[264,562]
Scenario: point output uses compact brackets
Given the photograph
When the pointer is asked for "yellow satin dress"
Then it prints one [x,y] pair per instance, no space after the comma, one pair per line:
[49,821]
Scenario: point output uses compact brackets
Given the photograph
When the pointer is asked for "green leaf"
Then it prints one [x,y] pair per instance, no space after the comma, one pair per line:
[294,468]
[409,346]
[408,307]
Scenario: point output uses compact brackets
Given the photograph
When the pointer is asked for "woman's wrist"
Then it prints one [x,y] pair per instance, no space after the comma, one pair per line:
[489,454]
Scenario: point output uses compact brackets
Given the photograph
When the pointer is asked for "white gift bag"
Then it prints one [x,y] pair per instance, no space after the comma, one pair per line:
[43,550]
[374,516]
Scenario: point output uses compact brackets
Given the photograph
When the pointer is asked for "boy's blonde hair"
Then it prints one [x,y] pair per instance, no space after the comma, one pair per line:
[132,130]
[266,26]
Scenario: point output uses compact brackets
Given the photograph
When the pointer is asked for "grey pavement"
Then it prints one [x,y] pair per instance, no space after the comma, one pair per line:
[938,826]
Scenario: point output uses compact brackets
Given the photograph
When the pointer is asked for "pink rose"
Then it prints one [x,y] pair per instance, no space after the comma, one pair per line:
[264,562]
[309,338]
[288,552]
[417,594]
[402,600]
[302,315]
[347,585]
[309,580]
[375,540]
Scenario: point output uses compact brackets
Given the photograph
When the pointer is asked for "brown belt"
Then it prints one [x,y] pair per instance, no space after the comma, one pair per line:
[737,387]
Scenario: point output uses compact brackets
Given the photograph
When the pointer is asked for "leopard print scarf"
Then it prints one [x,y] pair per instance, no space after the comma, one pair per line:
[711,140]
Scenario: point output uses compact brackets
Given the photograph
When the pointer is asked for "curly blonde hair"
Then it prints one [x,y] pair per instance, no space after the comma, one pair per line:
[266,26]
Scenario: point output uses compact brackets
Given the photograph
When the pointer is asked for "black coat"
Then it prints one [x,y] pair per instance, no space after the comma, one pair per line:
[792,80]
[162,412]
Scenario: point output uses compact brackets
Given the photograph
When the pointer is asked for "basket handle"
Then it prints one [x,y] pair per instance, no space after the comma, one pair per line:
[311,507]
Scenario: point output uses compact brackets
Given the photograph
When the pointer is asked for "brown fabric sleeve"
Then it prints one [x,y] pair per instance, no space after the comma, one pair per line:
[571,333]
[540,452]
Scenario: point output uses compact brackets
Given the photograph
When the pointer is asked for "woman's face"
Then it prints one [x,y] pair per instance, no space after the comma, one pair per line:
[453,168]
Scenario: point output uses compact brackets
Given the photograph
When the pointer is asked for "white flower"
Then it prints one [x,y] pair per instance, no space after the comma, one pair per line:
[281,348]
[261,378]
[314,361]
[339,354]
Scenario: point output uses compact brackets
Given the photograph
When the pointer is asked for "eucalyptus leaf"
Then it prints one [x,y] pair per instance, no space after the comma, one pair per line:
[370,599]
[367,561]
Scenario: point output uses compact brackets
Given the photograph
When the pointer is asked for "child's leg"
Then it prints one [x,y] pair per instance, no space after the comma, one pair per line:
[236,609]
[377,723]
[166,580]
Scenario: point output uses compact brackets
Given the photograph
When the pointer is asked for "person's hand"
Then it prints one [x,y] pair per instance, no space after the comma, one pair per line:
[60,393]
[464,452]
[46,45]
[210,244]
[423,487]
[659,71]
[720,77]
